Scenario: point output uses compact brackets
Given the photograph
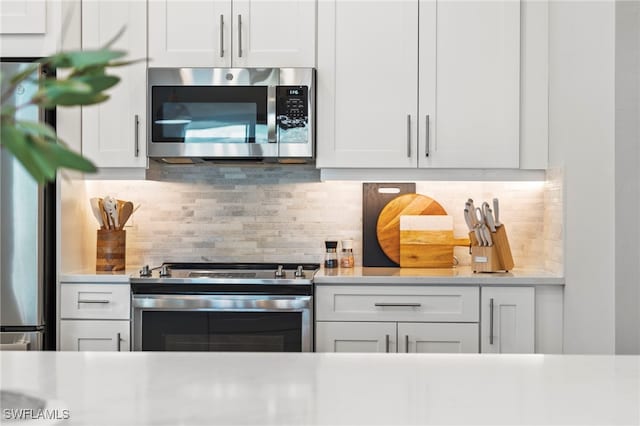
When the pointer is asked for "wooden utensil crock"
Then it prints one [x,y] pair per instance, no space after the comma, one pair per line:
[110,250]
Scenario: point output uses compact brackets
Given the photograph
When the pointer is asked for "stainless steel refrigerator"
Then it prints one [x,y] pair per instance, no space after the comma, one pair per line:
[27,235]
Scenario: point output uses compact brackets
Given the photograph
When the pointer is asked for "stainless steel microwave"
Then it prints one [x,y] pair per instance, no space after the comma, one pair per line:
[231,113]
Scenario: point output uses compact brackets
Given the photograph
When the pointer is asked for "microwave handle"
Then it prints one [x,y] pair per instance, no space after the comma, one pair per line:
[221,35]
[239,36]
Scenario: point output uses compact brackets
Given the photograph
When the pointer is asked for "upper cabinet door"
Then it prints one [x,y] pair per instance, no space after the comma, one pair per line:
[367,83]
[193,33]
[469,83]
[113,132]
[274,33]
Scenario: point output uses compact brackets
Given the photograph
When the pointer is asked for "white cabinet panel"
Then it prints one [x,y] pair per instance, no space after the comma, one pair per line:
[367,83]
[437,338]
[113,132]
[95,301]
[355,337]
[274,33]
[397,303]
[76,335]
[23,16]
[193,33]
[507,320]
[477,67]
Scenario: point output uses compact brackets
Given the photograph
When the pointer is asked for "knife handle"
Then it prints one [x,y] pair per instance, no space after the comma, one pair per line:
[496,209]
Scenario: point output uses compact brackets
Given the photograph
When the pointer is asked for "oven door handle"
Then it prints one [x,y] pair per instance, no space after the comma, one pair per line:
[206,302]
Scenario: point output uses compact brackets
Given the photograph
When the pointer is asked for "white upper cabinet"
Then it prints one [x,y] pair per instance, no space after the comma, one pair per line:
[238,33]
[113,132]
[30,28]
[469,84]
[367,83]
[452,67]
[192,33]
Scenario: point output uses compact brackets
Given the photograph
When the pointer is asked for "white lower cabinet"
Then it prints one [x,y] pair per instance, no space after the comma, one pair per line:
[429,319]
[356,337]
[429,338]
[507,320]
[76,335]
[95,316]
[410,337]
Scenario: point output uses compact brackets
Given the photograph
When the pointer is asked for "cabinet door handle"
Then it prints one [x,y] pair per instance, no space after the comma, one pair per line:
[118,337]
[408,135]
[406,343]
[222,36]
[239,36]
[491,321]
[406,305]
[137,134]
[94,301]
[386,343]
[427,137]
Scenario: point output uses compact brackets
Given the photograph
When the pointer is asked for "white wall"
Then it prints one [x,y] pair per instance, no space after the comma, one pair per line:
[582,140]
[627,161]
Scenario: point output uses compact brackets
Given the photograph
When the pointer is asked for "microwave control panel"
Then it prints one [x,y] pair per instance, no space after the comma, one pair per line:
[292,113]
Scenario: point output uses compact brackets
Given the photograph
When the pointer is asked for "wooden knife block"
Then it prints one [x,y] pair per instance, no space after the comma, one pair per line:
[495,258]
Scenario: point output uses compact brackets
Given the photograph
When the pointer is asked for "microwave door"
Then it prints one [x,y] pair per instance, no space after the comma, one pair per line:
[212,121]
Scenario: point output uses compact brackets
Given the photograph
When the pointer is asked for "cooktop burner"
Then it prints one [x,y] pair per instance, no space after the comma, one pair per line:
[229,273]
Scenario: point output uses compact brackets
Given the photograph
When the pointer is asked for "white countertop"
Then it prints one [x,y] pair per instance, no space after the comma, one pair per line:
[462,275]
[172,388]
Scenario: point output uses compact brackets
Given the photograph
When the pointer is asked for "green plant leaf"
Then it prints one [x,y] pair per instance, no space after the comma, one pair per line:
[16,142]
[99,83]
[62,157]
[85,58]
[37,128]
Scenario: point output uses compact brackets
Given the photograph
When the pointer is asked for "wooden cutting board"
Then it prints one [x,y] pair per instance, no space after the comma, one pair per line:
[388,227]
[427,241]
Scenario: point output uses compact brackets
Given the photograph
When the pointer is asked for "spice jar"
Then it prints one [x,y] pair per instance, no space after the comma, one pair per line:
[331,255]
[346,257]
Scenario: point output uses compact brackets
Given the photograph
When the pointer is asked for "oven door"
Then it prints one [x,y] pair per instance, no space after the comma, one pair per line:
[212,112]
[243,323]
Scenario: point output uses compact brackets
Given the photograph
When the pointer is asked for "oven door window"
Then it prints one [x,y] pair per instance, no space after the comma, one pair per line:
[209,114]
[214,331]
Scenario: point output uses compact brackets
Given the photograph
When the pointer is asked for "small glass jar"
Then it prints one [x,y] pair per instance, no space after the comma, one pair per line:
[331,255]
[346,257]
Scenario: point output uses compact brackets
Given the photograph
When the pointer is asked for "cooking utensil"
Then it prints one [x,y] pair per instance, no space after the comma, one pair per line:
[484,230]
[388,226]
[489,218]
[496,212]
[374,197]
[125,213]
[95,209]
[468,220]
[103,212]
[111,207]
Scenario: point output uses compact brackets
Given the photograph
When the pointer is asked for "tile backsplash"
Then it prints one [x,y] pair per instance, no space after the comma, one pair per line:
[284,213]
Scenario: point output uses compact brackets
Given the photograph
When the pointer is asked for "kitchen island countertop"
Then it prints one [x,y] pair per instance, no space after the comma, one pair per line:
[461,275]
[109,388]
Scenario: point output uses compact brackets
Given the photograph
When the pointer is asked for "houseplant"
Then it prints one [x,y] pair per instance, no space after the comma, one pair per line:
[36,145]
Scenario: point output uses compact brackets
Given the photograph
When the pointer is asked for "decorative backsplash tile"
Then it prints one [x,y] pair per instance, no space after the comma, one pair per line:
[258,213]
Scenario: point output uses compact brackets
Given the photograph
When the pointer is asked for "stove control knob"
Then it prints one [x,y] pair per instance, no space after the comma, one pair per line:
[280,272]
[145,271]
[164,271]
[299,272]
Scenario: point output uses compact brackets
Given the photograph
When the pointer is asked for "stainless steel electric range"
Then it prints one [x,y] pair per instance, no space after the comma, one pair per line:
[247,307]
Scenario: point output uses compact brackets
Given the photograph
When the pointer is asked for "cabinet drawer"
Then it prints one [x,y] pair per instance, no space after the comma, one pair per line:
[108,336]
[397,303]
[95,301]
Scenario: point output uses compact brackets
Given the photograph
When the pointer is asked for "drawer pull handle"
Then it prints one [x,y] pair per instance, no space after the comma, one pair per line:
[119,340]
[404,305]
[406,343]
[94,301]
[386,343]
